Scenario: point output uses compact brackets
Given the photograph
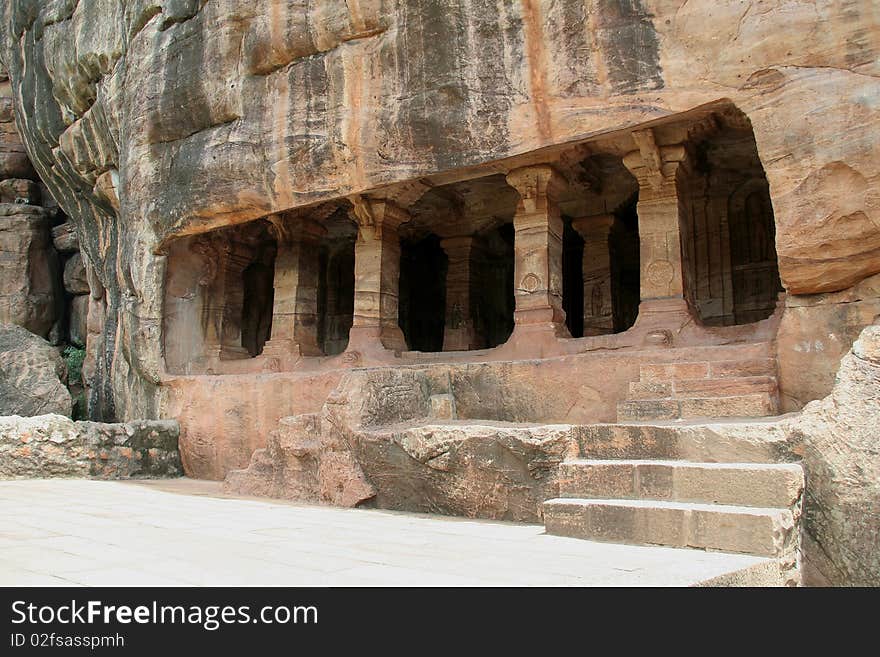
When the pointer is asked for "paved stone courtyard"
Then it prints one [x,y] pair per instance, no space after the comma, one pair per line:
[185,532]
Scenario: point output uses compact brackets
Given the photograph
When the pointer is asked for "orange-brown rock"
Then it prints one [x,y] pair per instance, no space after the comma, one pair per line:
[234,110]
[30,294]
[348,454]
[542,212]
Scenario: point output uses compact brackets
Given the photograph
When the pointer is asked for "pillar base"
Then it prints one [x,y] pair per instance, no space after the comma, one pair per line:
[548,315]
[368,339]
[658,314]
[284,352]
[460,339]
[536,340]
[233,353]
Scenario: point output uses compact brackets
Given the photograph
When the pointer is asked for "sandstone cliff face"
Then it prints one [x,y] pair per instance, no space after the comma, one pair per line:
[837,439]
[167,117]
[30,294]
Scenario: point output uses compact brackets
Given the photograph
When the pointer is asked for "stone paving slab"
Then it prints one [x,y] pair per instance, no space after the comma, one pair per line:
[185,532]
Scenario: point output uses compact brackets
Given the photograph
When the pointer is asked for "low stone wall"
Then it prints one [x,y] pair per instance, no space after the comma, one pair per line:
[56,446]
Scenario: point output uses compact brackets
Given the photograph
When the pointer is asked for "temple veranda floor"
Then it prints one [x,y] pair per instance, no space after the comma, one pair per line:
[185,532]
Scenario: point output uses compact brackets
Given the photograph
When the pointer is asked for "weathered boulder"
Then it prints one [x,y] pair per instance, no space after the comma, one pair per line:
[32,377]
[19,190]
[56,446]
[379,441]
[75,279]
[14,162]
[838,441]
[64,238]
[472,470]
[29,280]
[815,333]
[79,315]
[302,463]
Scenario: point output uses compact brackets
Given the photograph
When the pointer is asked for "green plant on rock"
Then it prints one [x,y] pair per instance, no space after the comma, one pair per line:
[73,358]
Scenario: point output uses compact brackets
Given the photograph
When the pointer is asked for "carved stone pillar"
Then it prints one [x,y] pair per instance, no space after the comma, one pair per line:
[458,332]
[238,257]
[212,288]
[297,271]
[538,248]
[377,274]
[598,308]
[661,210]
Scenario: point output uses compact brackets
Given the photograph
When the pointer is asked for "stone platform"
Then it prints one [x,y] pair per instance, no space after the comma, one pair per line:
[75,532]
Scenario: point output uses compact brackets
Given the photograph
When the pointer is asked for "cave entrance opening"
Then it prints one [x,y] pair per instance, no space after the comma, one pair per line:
[457,267]
[728,229]
[422,309]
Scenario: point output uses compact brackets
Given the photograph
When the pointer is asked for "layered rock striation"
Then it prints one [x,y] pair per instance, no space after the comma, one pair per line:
[153,120]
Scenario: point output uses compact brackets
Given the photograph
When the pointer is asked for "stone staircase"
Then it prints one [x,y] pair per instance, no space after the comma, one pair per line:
[665,485]
[743,387]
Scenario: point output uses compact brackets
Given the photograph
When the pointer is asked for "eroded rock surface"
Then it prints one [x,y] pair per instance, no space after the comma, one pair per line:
[349,455]
[56,446]
[32,375]
[151,120]
[837,439]
[29,269]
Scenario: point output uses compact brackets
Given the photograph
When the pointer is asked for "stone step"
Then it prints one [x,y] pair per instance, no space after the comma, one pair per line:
[747,405]
[769,532]
[725,386]
[637,410]
[743,484]
[751,405]
[665,372]
[644,390]
[754,440]
[745,367]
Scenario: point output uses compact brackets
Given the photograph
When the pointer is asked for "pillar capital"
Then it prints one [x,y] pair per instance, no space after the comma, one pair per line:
[461,243]
[289,229]
[377,214]
[655,166]
[593,227]
[538,185]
